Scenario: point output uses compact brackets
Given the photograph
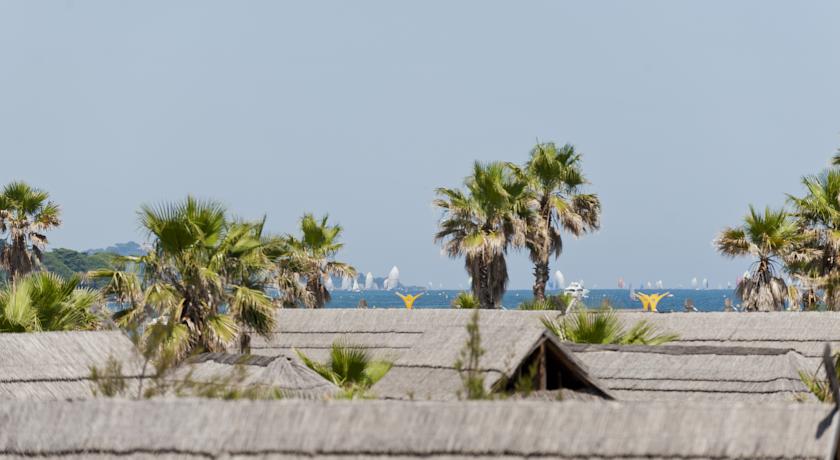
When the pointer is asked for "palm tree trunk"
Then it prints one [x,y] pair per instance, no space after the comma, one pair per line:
[540,279]
[313,285]
[480,273]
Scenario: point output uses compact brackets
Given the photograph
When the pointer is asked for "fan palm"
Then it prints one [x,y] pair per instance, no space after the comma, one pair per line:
[25,214]
[45,302]
[203,282]
[770,238]
[311,256]
[481,223]
[350,368]
[604,327]
[556,179]
[817,260]
[465,300]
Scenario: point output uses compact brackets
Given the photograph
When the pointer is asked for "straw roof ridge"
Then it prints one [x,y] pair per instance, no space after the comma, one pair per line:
[354,331]
[235,359]
[69,379]
[382,429]
[267,372]
[645,372]
[680,349]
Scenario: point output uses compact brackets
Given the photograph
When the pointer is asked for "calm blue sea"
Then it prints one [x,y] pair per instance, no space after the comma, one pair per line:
[705,300]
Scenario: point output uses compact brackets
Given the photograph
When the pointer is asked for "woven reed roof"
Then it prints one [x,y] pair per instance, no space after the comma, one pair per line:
[638,372]
[805,332]
[423,345]
[290,377]
[387,333]
[391,429]
[57,365]
[427,370]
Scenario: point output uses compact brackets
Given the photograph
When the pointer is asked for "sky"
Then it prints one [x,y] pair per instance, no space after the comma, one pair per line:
[685,112]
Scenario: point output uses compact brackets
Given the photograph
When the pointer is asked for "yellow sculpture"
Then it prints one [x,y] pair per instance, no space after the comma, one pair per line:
[409,299]
[650,301]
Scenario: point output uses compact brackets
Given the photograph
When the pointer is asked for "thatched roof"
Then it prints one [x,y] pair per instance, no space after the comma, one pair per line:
[805,332]
[422,344]
[638,372]
[387,333]
[57,365]
[427,370]
[256,373]
[391,429]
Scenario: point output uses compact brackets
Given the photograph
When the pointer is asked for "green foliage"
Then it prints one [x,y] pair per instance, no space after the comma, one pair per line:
[349,367]
[109,381]
[524,384]
[604,327]
[468,363]
[769,237]
[556,181]
[201,285]
[816,261]
[481,223]
[67,262]
[820,387]
[44,301]
[25,215]
[312,256]
[557,302]
[465,300]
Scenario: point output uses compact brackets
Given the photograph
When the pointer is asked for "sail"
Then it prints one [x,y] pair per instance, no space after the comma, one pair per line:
[559,279]
[369,284]
[393,280]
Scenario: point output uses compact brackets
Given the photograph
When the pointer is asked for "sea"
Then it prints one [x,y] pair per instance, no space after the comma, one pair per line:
[704,299]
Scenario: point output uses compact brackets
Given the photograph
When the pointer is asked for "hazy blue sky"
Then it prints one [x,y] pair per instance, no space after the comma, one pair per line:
[686,112]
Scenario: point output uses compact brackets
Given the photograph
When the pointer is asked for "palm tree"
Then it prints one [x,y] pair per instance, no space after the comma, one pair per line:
[45,302]
[556,179]
[481,223]
[817,260]
[350,368]
[604,327]
[464,300]
[203,283]
[312,256]
[769,237]
[25,214]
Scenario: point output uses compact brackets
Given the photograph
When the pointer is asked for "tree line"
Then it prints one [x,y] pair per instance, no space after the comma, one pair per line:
[799,241]
[207,280]
[505,206]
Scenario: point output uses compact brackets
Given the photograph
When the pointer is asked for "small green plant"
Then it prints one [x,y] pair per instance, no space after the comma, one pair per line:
[349,367]
[604,327]
[468,363]
[524,385]
[556,302]
[228,387]
[820,387]
[465,300]
[109,381]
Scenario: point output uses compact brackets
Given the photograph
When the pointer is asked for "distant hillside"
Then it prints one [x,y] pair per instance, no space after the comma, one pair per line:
[123,249]
[66,262]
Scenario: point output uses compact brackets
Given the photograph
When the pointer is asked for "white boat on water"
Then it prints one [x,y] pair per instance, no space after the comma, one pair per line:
[576,289]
